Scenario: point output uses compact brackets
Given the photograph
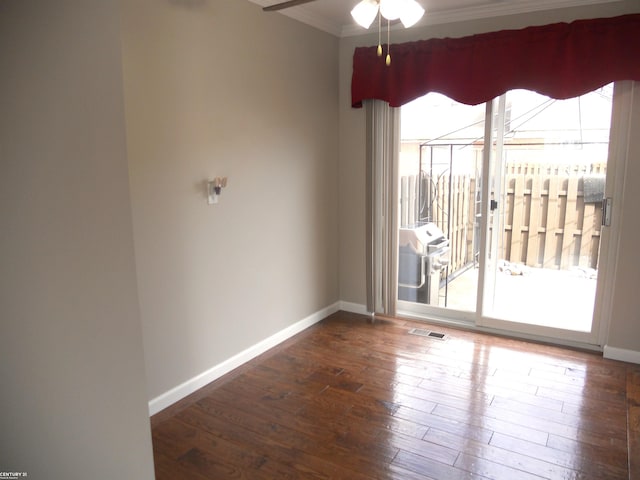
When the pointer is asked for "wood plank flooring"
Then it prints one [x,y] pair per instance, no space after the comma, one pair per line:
[633,403]
[352,399]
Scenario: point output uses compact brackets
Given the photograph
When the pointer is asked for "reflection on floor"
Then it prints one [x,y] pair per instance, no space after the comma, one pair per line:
[553,298]
[359,400]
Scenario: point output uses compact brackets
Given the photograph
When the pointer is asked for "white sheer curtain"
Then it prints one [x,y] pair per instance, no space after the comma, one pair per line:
[383,146]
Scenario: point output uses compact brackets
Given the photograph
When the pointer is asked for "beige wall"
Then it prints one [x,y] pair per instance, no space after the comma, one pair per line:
[219,88]
[72,383]
[352,162]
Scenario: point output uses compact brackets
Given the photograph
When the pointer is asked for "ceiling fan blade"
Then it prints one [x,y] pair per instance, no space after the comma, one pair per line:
[283,5]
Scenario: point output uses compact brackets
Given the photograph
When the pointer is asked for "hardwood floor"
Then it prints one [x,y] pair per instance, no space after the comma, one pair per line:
[352,399]
[633,403]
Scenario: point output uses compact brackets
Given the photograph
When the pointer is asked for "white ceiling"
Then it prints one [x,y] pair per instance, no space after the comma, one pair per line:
[333,16]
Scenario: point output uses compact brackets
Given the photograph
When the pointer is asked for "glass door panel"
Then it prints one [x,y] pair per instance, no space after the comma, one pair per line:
[549,176]
[440,202]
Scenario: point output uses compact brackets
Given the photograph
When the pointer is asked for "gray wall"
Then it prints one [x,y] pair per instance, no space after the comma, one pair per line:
[625,323]
[73,397]
[219,88]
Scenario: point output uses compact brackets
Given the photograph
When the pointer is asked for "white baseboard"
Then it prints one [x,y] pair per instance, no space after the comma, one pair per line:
[354,308]
[613,353]
[177,393]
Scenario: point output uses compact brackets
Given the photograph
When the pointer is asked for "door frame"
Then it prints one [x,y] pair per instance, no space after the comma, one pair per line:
[610,236]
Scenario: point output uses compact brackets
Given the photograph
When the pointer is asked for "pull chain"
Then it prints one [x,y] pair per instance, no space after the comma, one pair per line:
[379,34]
[388,59]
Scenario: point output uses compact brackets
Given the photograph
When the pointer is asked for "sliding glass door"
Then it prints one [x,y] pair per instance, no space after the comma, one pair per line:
[500,210]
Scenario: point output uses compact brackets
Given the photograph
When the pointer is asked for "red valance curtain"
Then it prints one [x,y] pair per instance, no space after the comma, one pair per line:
[561,60]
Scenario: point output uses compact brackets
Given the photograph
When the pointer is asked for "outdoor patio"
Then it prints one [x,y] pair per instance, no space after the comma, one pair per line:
[554,298]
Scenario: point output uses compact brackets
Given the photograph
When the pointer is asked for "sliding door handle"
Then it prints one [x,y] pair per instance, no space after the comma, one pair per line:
[607,204]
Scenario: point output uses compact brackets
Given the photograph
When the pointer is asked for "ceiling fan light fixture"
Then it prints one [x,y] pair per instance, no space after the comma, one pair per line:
[412,12]
[408,11]
[391,9]
[364,13]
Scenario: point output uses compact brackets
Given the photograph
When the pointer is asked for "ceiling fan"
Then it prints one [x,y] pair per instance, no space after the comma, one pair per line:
[366,11]
[407,11]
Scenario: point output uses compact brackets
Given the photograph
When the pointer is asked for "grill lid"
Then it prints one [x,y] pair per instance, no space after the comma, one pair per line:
[420,238]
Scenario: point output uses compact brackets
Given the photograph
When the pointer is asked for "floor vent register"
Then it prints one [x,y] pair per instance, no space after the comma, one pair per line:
[427,333]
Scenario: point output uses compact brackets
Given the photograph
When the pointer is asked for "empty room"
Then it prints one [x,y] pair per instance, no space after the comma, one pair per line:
[319,239]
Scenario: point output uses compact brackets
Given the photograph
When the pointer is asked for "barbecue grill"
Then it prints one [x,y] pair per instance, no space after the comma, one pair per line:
[423,254]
